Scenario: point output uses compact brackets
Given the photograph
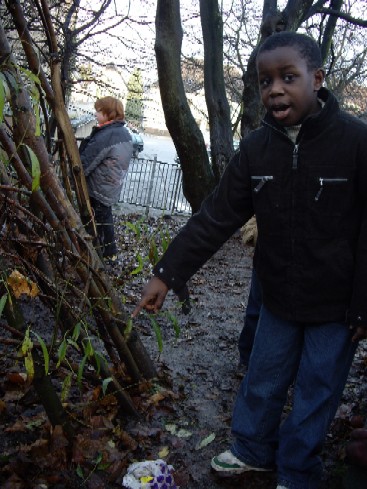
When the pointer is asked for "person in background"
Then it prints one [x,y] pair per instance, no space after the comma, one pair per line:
[304,175]
[105,157]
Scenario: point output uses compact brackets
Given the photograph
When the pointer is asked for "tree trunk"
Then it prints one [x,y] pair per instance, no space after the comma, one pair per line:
[221,140]
[198,178]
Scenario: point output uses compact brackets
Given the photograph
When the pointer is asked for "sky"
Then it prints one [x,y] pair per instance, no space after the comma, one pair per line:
[132,42]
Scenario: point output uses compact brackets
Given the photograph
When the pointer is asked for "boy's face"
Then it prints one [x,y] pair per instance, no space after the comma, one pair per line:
[288,88]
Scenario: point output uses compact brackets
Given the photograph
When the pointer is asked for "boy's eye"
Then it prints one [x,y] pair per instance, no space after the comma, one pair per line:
[289,77]
[264,82]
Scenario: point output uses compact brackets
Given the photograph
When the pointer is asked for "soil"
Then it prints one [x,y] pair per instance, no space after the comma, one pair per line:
[187,419]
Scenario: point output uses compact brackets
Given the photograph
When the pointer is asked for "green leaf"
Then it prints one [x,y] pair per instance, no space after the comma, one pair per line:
[165,238]
[134,228]
[73,343]
[175,324]
[79,472]
[98,460]
[139,268]
[100,359]
[158,332]
[128,329]
[76,332]
[205,441]
[105,384]
[80,371]
[29,365]
[46,356]
[36,169]
[27,344]
[66,387]
[2,98]
[34,78]
[88,348]
[26,350]
[61,352]
[153,252]
[2,303]
[37,132]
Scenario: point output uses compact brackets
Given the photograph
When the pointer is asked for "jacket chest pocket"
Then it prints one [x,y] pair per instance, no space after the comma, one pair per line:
[329,201]
[329,195]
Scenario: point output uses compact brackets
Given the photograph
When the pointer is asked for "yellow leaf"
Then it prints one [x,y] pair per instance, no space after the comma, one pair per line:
[163,452]
[146,479]
[29,366]
[155,398]
[20,284]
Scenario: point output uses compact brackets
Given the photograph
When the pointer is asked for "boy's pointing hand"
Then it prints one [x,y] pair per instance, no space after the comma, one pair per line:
[360,333]
[152,297]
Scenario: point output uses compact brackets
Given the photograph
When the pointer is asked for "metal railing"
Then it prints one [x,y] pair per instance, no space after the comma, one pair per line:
[155,184]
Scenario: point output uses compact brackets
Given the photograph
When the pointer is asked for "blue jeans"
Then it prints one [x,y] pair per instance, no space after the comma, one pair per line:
[316,358]
[247,336]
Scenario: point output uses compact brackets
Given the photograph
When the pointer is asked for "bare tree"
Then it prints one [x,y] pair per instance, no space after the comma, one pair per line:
[182,126]
[41,232]
[321,18]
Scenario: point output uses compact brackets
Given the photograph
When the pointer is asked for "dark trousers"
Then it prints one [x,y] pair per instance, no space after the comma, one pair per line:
[247,335]
[105,229]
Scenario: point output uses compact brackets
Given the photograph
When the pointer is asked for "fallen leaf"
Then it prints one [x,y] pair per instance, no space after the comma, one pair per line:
[163,452]
[20,284]
[17,377]
[206,441]
[181,432]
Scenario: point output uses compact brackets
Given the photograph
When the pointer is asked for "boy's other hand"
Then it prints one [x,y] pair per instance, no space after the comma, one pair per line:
[359,333]
[152,297]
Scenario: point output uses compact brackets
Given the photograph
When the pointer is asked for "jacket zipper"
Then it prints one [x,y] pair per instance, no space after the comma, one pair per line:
[328,181]
[295,157]
[262,182]
[294,168]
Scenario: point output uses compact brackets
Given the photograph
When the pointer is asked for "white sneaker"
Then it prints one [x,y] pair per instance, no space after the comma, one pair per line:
[281,487]
[227,463]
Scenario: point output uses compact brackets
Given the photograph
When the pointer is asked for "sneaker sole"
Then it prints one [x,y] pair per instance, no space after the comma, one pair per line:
[230,469]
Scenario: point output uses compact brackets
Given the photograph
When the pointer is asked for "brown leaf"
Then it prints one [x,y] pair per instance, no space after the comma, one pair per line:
[2,406]
[17,377]
[17,426]
[127,441]
[20,284]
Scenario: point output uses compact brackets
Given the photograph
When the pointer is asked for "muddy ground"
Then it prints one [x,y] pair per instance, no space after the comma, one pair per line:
[202,365]
[188,418]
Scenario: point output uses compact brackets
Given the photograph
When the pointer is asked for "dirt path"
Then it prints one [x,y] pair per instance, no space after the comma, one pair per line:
[202,365]
[186,415]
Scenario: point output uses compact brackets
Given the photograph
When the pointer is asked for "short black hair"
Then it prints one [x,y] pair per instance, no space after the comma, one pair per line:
[306,46]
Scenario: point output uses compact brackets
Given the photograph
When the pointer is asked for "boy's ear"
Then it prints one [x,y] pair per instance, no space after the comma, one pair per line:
[319,77]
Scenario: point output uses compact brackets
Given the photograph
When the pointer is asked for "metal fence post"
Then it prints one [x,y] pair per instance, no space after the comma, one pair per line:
[151,183]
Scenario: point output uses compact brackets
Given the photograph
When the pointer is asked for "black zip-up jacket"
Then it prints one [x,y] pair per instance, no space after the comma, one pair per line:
[310,202]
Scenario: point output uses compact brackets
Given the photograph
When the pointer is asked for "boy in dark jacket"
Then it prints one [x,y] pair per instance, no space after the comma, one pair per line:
[105,156]
[304,175]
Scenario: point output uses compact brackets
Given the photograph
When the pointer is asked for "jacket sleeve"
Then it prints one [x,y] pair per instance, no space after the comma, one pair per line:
[358,306]
[224,211]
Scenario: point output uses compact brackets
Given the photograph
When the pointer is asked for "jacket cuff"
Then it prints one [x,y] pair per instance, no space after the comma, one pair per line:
[167,276]
[358,320]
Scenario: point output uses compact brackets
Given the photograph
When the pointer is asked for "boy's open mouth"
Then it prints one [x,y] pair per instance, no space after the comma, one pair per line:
[280,112]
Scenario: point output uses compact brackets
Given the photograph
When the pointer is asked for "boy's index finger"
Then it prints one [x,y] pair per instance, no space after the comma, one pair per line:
[136,311]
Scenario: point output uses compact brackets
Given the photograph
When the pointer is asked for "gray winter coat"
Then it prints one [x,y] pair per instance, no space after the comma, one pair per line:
[105,156]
